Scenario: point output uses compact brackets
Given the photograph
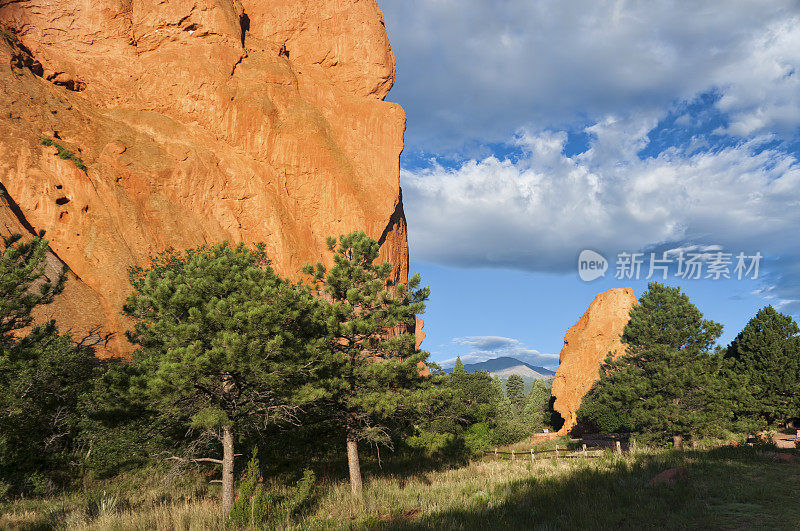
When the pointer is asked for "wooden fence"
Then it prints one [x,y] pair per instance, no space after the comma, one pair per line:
[585,452]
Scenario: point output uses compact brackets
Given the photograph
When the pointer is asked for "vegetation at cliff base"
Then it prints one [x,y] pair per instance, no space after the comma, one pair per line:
[668,382]
[252,401]
[45,376]
[226,347]
[672,382]
[375,383]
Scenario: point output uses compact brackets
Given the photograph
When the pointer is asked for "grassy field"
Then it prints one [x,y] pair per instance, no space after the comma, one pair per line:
[726,488]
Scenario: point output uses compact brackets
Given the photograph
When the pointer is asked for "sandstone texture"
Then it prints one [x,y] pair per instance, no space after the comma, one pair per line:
[197,121]
[586,345]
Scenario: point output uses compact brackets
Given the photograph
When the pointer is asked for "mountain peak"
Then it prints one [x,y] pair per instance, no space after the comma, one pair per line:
[505,366]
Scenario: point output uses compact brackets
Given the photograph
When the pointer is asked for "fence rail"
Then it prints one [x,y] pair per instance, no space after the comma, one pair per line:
[586,452]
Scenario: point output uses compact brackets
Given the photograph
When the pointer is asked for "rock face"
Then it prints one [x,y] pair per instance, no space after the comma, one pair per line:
[196,121]
[585,347]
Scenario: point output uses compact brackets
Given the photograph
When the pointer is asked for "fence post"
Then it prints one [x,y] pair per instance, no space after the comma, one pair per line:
[584,450]
[618,447]
[532,458]
[512,454]
[495,452]
[556,452]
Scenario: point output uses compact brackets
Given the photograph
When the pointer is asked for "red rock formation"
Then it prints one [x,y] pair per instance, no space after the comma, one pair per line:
[197,122]
[585,347]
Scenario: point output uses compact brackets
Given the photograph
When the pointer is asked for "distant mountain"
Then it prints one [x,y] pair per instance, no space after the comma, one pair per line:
[505,366]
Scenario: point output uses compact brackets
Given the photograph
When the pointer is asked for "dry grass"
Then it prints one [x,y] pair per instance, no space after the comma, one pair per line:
[190,515]
[727,488]
[395,499]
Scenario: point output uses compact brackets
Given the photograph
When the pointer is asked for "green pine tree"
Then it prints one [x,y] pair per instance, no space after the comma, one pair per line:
[372,343]
[536,413]
[670,381]
[767,354]
[515,390]
[227,347]
[508,426]
[24,284]
[500,389]
[476,405]
[458,368]
[666,318]
[43,375]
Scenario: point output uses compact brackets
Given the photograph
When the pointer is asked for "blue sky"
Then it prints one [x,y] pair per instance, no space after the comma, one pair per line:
[539,129]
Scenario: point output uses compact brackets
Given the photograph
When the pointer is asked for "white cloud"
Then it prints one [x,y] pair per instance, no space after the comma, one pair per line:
[472,73]
[761,91]
[476,70]
[538,212]
[482,348]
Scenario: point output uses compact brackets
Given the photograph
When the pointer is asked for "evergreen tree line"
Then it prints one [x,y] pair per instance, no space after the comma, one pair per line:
[229,357]
[475,412]
[231,360]
[673,381]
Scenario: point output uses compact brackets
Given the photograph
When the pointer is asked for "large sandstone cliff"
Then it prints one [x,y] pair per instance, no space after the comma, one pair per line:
[585,347]
[198,121]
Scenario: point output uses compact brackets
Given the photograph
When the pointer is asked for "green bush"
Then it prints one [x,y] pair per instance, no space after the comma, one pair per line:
[248,493]
[301,495]
[431,442]
[63,153]
[478,438]
[256,507]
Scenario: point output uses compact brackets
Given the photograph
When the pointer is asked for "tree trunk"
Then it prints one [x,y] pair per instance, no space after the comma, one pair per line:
[227,469]
[355,466]
[677,442]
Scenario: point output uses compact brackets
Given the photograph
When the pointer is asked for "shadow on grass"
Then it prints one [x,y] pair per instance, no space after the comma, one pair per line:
[726,488]
[403,463]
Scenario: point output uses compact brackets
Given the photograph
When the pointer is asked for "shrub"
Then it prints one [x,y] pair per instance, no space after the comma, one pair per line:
[478,438]
[63,153]
[248,493]
[255,506]
[430,442]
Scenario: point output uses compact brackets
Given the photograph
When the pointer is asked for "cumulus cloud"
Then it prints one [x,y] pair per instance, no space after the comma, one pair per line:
[538,211]
[473,74]
[482,348]
[472,70]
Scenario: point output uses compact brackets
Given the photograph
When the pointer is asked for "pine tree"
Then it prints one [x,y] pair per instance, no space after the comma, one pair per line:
[474,398]
[509,426]
[225,345]
[371,342]
[666,318]
[767,354]
[515,390]
[43,375]
[535,412]
[24,284]
[669,382]
[458,368]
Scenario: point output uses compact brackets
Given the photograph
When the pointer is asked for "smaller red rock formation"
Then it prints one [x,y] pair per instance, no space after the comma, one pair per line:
[585,347]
